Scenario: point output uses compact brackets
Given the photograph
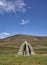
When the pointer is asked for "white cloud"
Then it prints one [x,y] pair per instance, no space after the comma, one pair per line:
[12,5]
[1,3]
[24,22]
[4,35]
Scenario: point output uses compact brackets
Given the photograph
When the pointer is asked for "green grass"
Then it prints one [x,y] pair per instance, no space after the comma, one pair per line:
[12,59]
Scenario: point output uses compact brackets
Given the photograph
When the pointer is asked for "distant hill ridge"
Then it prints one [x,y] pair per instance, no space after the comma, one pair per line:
[11,44]
[19,36]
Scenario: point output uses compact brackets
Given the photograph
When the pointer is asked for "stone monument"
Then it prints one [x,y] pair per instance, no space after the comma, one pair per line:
[26,49]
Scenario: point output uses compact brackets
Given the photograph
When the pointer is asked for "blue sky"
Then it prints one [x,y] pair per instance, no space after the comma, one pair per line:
[23,17]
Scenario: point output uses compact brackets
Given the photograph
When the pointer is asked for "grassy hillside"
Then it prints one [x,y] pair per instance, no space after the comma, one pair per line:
[11,44]
[12,59]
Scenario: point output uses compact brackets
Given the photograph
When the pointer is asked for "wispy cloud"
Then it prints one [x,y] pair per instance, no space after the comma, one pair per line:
[12,5]
[4,35]
[24,22]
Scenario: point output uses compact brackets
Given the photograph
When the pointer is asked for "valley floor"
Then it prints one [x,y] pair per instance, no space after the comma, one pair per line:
[12,59]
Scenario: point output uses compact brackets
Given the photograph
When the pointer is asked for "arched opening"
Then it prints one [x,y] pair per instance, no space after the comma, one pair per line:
[24,50]
[29,50]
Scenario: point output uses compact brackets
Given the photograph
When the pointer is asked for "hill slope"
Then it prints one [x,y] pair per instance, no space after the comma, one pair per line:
[12,44]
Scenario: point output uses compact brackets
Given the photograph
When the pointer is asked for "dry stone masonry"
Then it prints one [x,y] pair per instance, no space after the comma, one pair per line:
[26,49]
